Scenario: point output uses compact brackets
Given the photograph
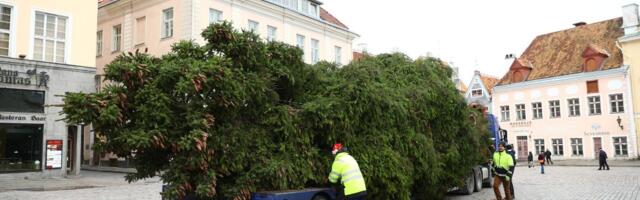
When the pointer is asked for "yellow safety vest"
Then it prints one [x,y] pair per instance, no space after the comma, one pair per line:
[347,170]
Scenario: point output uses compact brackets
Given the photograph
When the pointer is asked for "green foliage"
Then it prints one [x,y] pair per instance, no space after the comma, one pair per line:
[240,115]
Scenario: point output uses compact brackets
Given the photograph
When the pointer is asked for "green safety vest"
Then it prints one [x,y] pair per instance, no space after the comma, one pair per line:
[347,170]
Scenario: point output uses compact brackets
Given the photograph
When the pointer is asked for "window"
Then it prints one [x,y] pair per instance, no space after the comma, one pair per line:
[50,37]
[116,40]
[167,23]
[313,10]
[558,147]
[539,146]
[554,108]
[99,43]
[21,146]
[305,7]
[5,29]
[300,42]
[594,105]
[592,87]
[253,26]
[504,111]
[537,110]
[620,145]
[338,55]
[314,51]
[617,104]
[24,101]
[520,112]
[576,147]
[476,92]
[271,33]
[574,107]
[215,16]
[141,25]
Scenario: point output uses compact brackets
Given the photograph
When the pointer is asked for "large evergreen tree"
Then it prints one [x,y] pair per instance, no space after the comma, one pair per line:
[240,115]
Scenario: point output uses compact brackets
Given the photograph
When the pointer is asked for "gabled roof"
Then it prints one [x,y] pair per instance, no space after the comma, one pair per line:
[326,16]
[489,82]
[560,53]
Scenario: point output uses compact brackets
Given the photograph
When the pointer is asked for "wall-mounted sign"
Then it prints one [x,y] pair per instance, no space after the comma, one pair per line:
[30,77]
[597,133]
[520,124]
[22,118]
[54,154]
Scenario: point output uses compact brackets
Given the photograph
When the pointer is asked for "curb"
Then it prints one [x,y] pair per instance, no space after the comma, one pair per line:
[108,169]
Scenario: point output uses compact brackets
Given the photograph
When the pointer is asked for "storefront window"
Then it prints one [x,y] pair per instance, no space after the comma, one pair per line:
[26,101]
[20,147]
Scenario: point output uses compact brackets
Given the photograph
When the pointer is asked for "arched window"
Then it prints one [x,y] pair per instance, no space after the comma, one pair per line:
[591,65]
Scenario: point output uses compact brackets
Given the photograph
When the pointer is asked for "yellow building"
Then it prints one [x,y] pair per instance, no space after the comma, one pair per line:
[46,50]
[630,44]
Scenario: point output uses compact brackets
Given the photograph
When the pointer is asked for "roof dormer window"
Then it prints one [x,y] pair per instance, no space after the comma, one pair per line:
[309,8]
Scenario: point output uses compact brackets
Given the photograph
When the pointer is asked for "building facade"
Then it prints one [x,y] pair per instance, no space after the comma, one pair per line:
[571,98]
[630,44]
[42,56]
[480,90]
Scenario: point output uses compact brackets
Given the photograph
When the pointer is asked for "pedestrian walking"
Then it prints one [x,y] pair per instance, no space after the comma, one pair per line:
[530,160]
[541,160]
[512,152]
[548,155]
[345,173]
[502,162]
[603,160]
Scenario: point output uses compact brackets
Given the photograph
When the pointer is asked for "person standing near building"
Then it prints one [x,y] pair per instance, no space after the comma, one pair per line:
[541,160]
[548,155]
[345,168]
[512,152]
[502,162]
[603,160]
[530,160]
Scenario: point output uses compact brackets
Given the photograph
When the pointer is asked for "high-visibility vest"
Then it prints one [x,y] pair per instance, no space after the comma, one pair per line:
[347,170]
[502,161]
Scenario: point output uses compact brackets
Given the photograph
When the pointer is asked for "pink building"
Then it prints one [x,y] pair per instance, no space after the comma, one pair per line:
[569,93]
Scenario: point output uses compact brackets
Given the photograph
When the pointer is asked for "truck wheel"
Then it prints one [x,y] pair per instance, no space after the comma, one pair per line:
[469,184]
[320,197]
[477,180]
[489,181]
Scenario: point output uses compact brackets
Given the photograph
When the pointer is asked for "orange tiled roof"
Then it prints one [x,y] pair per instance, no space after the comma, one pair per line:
[489,82]
[560,53]
[463,87]
[326,16]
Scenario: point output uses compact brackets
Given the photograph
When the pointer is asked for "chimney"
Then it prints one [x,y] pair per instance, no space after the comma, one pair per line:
[508,60]
[630,19]
[580,24]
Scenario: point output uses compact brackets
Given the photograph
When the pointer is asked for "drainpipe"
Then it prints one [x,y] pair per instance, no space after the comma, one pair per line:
[632,119]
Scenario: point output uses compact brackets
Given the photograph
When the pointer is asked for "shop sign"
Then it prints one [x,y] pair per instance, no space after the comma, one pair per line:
[596,131]
[21,118]
[54,154]
[30,77]
[520,124]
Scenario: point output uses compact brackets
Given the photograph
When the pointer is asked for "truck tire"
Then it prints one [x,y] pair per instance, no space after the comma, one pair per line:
[477,179]
[488,182]
[469,184]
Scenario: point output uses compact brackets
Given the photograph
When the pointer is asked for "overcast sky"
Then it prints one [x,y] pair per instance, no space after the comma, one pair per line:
[473,34]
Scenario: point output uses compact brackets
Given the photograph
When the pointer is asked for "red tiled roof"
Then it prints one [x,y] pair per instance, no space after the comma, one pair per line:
[104,2]
[560,53]
[326,16]
[489,82]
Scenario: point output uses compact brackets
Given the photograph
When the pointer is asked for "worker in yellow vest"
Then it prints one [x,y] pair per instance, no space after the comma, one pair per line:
[346,170]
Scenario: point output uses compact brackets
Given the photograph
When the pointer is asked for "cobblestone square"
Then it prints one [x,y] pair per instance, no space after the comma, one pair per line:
[560,183]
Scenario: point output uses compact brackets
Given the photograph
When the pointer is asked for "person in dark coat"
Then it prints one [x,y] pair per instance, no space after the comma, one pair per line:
[548,155]
[511,152]
[603,160]
[530,160]
[541,160]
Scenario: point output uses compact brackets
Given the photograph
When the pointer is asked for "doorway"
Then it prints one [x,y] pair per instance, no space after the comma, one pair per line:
[523,148]
[597,144]
[71,148]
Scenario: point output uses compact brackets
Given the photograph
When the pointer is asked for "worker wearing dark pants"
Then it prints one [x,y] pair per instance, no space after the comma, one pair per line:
[511,152]
[346,170]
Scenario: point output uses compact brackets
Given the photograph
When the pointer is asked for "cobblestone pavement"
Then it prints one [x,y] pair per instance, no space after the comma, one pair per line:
[560,183]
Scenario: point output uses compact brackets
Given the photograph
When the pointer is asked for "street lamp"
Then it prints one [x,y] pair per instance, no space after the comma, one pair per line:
[620,123]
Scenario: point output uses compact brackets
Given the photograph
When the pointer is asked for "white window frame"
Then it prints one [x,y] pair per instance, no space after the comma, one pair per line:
[300,42]
[44,38]
[577,147]
[167,27]
[595,105]
[99,42]
[536,108]
[253,26]
[12,29]
[337,50]
[315,51]
[539,144]
[574,107]
[116,45]
[215,11]
[620,148]
[504,113]
[554,110]
[521,112]
[558,146]
[476,92]
[272,33]
[617,104]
